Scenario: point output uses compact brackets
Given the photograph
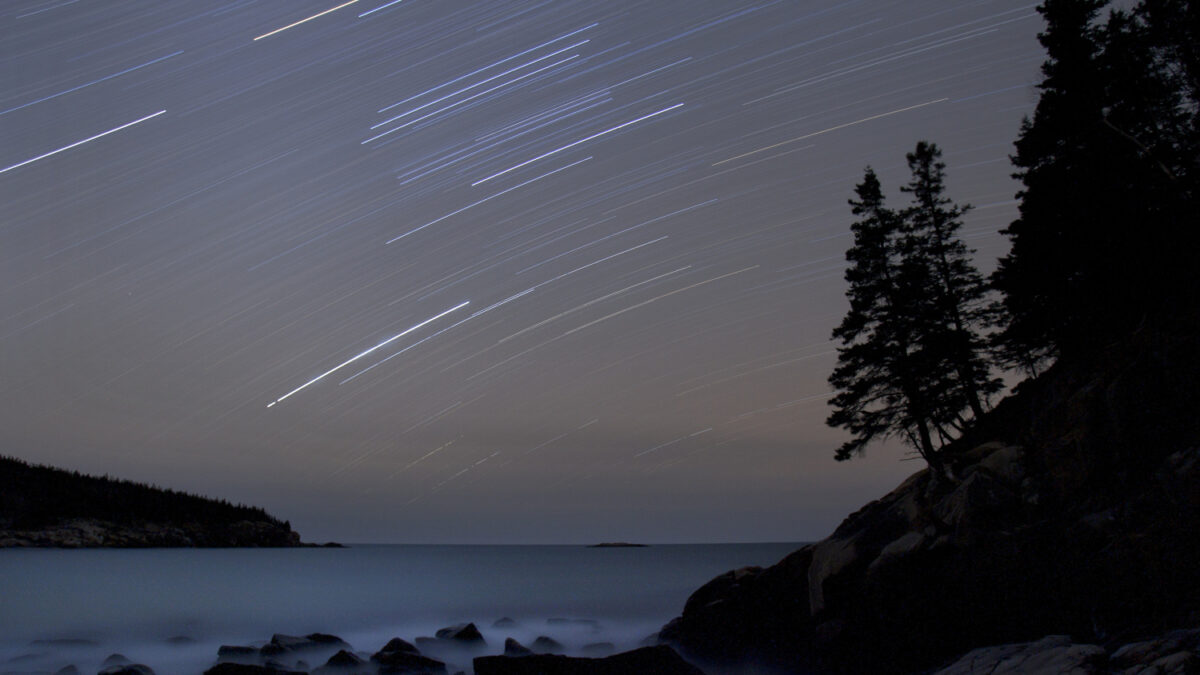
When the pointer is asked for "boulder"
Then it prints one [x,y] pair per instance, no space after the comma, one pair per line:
[67,670]
[504,622]
[514,648]
[408,663]
[547,645]
[659,660]
[398,645]
[115,660]
[345,663]
[463,633]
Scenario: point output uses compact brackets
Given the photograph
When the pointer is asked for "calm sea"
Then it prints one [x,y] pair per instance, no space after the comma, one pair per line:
[131,601]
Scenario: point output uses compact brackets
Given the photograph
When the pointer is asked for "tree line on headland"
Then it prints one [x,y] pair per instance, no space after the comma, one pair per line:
[41,505]
[1106,244]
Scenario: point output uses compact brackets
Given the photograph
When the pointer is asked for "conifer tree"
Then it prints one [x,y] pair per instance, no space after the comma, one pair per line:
[954,307]
[1107,236]
[885,382]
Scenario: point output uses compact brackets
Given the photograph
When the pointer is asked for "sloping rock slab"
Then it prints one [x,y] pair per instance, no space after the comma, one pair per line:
[1052,655]
[659,660]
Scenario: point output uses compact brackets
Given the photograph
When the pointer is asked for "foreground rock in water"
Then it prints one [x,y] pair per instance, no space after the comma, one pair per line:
[660,660]
[1073,508]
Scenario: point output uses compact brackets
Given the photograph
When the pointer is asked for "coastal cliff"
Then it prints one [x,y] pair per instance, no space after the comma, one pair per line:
[48,507]
[1073,508]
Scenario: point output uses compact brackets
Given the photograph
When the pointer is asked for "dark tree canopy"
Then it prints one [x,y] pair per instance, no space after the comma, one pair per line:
[912,361]
[1107,234]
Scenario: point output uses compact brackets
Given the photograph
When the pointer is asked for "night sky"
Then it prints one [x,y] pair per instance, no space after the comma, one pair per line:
[473,272]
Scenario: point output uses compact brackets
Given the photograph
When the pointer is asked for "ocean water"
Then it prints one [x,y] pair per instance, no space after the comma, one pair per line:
[132,601]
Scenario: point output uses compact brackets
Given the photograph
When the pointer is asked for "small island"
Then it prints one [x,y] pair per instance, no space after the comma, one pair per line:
[616,544]
[43,506]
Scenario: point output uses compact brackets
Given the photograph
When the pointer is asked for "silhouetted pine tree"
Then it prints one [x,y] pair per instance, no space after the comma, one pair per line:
[954,303]
[889,385]
[1107,235]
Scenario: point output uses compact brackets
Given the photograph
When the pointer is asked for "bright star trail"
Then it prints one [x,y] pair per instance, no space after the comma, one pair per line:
[257,292]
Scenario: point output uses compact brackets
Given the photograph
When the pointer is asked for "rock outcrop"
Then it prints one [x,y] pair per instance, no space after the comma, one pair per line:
[1175,653]
[659,660]
[1072,508]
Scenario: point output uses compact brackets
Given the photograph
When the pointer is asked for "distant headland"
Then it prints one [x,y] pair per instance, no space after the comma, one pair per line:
[43,506]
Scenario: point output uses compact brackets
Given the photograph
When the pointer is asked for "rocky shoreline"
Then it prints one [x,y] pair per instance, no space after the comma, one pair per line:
[1072,509]
[95,533]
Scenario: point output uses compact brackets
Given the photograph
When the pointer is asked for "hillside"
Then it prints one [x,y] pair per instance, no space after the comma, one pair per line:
[1074,509]
[45,506]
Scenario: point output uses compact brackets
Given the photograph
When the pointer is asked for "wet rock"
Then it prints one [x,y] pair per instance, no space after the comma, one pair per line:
[237,654]
[547,645]
[345,663]
[659,660]
[504,622]
[398,645]
[408,663]
[463,633]
[514,648]
[67,670]
[115,660]
[327,640]
[180,640]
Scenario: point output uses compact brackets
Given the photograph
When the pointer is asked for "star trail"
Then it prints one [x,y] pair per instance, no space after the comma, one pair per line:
[457,271]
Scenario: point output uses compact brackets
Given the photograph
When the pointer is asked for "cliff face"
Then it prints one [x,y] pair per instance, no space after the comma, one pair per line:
[1074,508]
[43,506]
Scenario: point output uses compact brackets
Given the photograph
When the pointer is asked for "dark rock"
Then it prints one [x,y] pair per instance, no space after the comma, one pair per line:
[180,640]
[660,660]
[237,654]
[514,648]
[345,659]
[281,643]
[67,670]
[547,645]
[1049,656]
[616,544]
[345,663]
[504,622]
[127,669]
[327,640]
[115,660]
[408,663]
[464,633]
[398,645]
[598,649]
[248,669]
